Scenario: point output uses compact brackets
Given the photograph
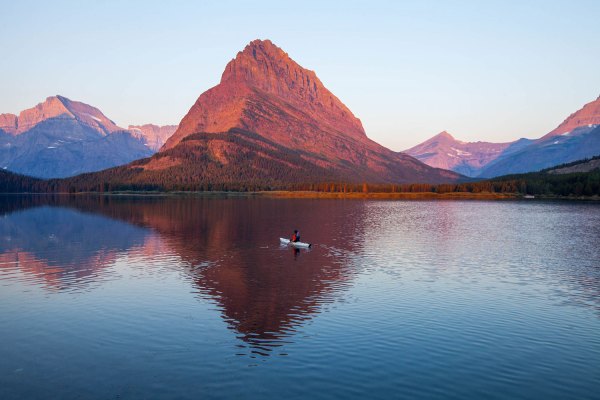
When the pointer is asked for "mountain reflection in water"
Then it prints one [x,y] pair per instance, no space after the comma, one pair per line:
[228,249]
[179,297]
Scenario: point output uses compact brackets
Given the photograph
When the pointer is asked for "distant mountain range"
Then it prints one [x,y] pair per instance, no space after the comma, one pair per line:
[578,137]
[467,158]
[61,138]
[269,123]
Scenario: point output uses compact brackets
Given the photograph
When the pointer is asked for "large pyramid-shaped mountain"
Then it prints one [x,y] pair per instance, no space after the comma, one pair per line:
[271,119]
[264,89]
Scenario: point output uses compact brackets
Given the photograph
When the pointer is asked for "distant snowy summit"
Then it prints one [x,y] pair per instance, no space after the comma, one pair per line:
[576,138]
[467,158]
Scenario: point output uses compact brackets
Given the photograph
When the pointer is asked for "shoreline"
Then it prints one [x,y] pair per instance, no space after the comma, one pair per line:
[393,196]
[283,194]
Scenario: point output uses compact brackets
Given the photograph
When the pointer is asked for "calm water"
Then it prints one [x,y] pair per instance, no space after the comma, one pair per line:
[188,298]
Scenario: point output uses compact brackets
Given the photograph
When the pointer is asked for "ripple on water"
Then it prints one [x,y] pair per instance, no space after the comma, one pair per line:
[168,298]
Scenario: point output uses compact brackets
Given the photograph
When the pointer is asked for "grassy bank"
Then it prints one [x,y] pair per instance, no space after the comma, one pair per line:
[391,196]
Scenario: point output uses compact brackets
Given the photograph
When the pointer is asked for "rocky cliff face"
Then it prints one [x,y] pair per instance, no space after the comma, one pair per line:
[264,92]
[8,124]
[153,135]
[264,89]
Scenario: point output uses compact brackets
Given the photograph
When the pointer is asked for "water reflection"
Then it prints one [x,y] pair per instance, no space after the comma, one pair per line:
[264,292]
[154,297]
[228,249]
[64,249]
[543,244]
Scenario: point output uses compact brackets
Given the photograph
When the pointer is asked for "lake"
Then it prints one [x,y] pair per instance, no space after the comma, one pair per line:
[194,297]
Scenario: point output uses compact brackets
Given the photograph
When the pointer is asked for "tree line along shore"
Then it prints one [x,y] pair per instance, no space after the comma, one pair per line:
[545,183]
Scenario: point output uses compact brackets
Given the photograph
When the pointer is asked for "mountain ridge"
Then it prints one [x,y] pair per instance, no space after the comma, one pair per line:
[445,151]
[60,137]
[577,137]
[155,136]
[588,115]
[59,107]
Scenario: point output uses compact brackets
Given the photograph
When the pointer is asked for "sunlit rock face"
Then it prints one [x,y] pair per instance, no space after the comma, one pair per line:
[153,136]
[8,124]
[260,76]
[587,116]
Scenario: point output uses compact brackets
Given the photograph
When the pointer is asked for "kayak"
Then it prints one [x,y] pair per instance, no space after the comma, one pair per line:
[300,245]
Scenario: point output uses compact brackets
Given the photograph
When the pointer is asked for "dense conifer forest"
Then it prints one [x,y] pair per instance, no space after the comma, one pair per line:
[121,179]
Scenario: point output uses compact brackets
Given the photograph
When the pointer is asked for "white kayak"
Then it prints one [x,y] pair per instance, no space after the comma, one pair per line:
[300,245]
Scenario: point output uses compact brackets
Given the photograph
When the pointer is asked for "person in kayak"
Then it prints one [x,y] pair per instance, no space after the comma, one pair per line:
[296,236]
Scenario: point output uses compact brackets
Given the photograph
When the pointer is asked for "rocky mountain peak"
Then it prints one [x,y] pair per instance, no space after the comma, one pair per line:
[261,79]
[60,107]
[442,138]
[445,135]
[52,107]
[60,137]
[588,115]
[8,123]
[260,63]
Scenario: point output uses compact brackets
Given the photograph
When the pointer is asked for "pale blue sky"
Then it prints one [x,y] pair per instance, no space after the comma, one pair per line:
[483,70]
